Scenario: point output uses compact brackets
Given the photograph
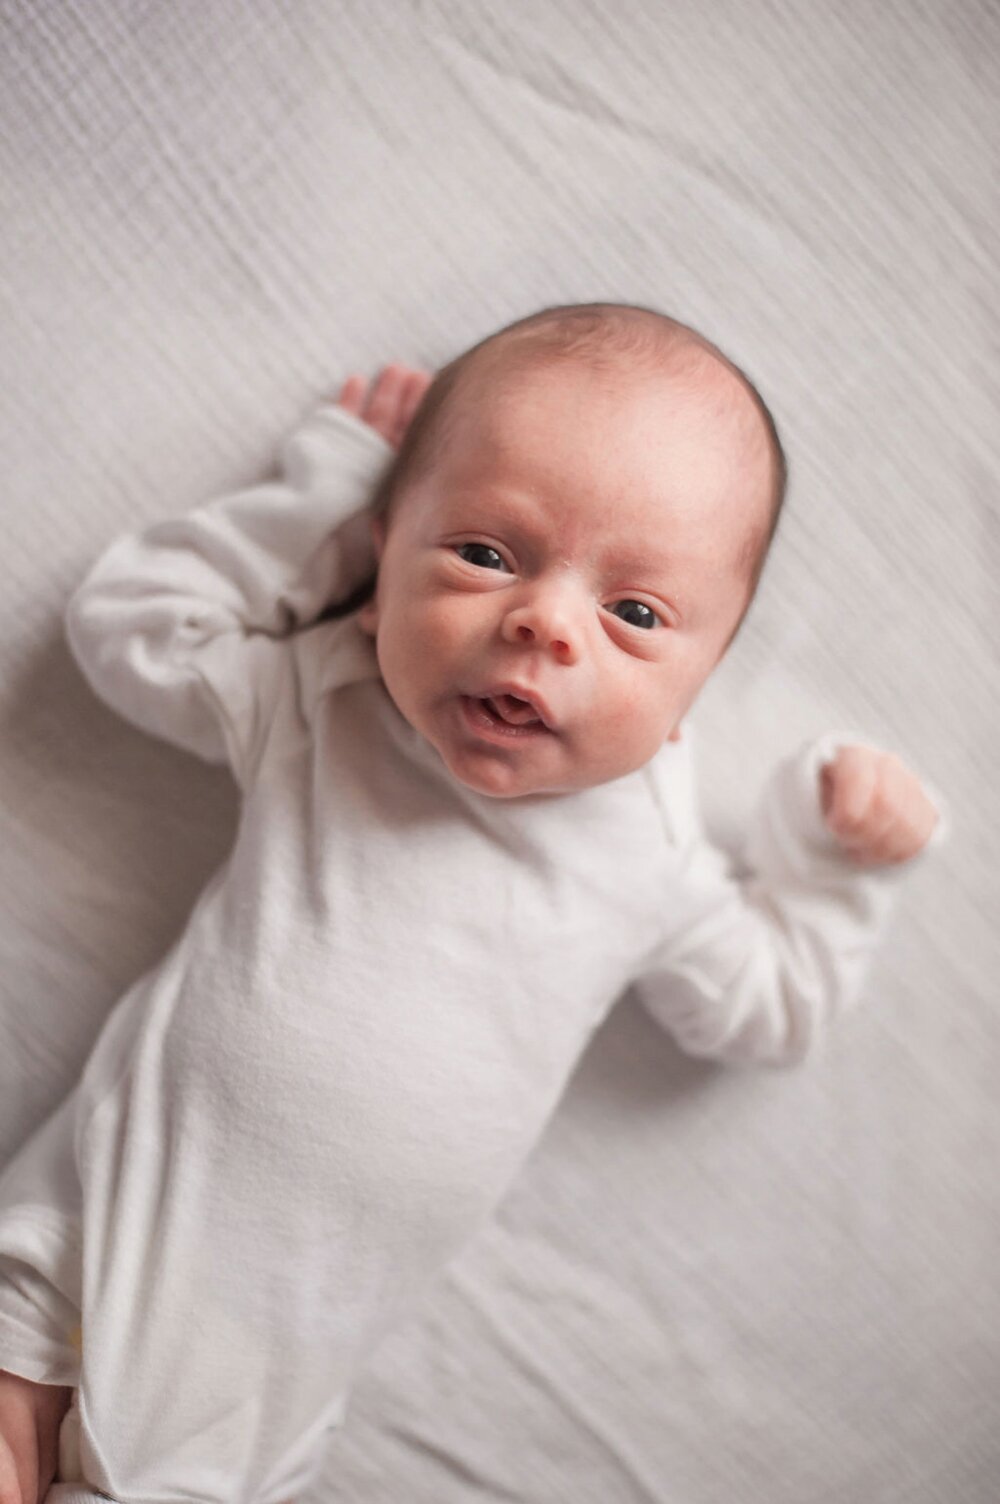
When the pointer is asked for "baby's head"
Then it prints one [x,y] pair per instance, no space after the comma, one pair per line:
[578,518]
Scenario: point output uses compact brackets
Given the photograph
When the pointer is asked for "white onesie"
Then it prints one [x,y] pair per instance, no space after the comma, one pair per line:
[290,1124]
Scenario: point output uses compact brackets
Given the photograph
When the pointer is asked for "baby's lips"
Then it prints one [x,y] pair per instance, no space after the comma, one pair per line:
[515,693]
[518,712]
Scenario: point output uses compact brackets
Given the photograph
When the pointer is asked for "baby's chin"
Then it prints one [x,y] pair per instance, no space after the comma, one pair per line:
[498,781]
[498,777]
[503,778]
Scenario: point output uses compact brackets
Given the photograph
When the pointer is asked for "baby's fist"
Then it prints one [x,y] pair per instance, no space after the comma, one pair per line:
[875,806]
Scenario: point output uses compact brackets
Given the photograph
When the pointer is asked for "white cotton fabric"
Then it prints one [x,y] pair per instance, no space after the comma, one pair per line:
[299,1116]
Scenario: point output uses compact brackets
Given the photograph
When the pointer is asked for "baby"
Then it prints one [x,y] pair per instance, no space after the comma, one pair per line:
[452,685]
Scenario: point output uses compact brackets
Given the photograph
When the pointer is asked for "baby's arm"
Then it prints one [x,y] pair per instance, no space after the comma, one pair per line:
[180,626]
[753,970]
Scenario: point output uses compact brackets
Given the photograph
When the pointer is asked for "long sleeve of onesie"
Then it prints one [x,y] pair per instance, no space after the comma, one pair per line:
[753,970]
[184,628]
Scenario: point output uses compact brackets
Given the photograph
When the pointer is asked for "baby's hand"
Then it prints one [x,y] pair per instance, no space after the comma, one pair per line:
[875,806]
[389,405]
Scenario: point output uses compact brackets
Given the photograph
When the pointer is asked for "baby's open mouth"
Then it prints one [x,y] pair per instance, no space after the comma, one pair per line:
[512,710]
[505,715]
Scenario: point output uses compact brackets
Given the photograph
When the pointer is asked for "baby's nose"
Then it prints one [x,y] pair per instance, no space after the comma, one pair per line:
[547,621]
[527,633]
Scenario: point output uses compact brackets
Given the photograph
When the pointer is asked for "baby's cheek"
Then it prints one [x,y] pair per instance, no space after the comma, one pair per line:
[417,646]
[450,624]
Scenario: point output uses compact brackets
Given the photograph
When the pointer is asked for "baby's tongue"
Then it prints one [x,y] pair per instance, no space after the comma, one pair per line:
[518,712]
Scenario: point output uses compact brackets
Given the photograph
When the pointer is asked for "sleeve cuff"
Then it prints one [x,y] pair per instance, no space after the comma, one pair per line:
[330,441]
[331,416]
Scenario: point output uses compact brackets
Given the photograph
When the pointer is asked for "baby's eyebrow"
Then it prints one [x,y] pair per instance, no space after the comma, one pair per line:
[643,559]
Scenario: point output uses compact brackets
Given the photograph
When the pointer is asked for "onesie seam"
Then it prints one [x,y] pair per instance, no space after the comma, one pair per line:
[666,825]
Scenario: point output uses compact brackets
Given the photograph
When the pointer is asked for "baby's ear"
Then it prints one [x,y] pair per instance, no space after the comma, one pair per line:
[675,735]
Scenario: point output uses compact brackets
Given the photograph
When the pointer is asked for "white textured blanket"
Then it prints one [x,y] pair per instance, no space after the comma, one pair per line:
[710,1287]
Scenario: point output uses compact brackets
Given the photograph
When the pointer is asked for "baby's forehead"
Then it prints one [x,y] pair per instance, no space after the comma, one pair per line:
[503,386]
[696,404]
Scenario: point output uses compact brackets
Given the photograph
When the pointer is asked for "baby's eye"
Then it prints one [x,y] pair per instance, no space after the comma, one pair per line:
[483,548]
[644,617]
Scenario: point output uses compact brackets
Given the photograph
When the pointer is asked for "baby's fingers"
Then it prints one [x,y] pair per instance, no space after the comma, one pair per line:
[882,840]
[848,792]
[415,391]
[386,403]
[352,395]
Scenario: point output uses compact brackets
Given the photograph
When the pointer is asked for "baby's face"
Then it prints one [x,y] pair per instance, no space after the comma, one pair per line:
[575,539]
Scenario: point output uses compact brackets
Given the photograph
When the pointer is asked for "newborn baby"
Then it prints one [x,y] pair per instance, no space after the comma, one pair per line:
[452,687]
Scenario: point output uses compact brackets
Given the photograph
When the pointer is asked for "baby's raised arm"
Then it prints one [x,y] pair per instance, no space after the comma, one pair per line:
[184,627]
[752,970]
